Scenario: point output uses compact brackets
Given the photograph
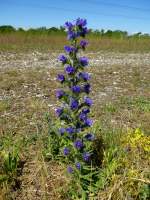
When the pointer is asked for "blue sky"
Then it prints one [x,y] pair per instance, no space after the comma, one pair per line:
[130,15]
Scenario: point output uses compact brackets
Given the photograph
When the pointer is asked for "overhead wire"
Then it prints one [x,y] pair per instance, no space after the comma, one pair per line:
[39,6]
[116,5]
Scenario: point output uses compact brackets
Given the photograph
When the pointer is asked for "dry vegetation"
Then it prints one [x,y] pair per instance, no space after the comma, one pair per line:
[28,42]
[121,101]
[121,96]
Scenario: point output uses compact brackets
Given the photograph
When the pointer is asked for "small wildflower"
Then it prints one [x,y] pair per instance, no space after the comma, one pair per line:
[69,49]
[66,151]
[88,122]
[81,22]
[70,130]
[70,70]
[78,166]
[70,170]
[84,32]
[85,76]
[88,101]
[82,116]
[61,78]
[60,94]
[74,104]
[63,59]
[71,35]
[85,110]
[87,88]
[78,144]
[62,131]
[83,44]
[86,156]
[89,136]
[59,111]
[68,25]
[83,61]
[76,89]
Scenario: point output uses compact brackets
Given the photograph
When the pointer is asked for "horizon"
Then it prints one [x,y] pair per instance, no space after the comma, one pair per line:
[132,17]
[58,27]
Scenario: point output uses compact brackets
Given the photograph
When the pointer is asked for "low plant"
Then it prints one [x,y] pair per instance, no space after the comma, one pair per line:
[51,142]
[10,164]
[125,168]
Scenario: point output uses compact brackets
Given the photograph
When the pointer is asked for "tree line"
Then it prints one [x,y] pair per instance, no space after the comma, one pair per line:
[6,29]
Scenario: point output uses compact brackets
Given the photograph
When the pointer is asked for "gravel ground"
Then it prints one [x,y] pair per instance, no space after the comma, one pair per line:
[38,59]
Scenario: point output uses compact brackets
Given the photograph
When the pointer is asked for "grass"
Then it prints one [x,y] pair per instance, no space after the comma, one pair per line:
[27,94]
[125,174]
[19,42]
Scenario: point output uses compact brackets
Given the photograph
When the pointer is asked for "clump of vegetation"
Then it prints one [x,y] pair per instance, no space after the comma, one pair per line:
[50,39]
[125,171]
[10,165]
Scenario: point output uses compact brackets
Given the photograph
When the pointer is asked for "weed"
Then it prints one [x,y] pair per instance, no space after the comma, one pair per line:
[4,105]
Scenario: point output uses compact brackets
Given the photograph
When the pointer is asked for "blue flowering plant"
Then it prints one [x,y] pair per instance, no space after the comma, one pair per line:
[75,104]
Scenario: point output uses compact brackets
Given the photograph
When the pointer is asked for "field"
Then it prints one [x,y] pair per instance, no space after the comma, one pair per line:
[41,42]
[120,72]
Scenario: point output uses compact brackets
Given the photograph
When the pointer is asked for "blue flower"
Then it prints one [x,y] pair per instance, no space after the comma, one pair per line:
[71,35]
[83,61]
[70,130]
[59,111]
[89,136]
[83,44]
[69,49]
[68,25]
[85,110]
[60,94]
[82,116]
[86,156]
[66,151]
[70,169]
[88,101]
[61,78]
[76,89]
[78,144]
[62,131]
[88,122]
[62,58]
[78,165]
[70,70]
[85,76]
[74,104]
[84,32]
[87,88]
[81,22]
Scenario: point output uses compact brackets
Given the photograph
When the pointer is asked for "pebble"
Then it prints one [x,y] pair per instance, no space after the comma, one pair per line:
[49,60]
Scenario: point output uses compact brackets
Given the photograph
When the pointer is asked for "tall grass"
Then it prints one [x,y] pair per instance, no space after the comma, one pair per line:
[23,41]
[119,45]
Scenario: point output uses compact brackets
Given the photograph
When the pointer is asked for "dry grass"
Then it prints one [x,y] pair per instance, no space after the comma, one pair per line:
[129,169]
[29,42]
[121,100]
[24,42]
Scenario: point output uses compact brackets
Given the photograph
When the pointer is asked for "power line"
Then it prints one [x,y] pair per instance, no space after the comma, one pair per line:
[116,5]
[77,10]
